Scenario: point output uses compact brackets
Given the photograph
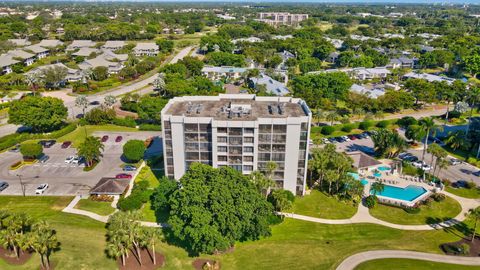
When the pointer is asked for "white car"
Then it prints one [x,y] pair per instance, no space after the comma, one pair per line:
[75,160]
[346,138]
[454,161]
[41,189]
[69,159]
[325,141]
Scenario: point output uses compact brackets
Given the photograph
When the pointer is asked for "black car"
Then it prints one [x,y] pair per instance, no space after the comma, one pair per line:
[476,173]
[3,185]
[47,143]
[340,139]
[460,184]
[95,102]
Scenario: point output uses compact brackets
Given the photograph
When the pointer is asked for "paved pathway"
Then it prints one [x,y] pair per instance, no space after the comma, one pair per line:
[363,216]
[353,261]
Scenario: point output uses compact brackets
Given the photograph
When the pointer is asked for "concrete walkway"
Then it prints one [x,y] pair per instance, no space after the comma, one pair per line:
[363,216]
[353,261]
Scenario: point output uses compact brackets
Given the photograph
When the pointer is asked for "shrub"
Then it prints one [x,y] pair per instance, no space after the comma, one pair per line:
[100,116]
[140,195]
[446,182]
[150,127]
[347,127]
[125,122]
[31,150]
[465,249]
[471,185]
[407,121]
[371,201]
[412,210]
[327,130]
[281,199]
[454,114]
[134,150]
[365,125]
[438,197]
[382,124]
[16,165]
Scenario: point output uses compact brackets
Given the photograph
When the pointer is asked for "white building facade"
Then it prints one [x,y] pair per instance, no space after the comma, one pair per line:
[242,131]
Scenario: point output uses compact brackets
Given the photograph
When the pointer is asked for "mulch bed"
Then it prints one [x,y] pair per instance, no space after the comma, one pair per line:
[131,263]
[474,247]
[199,263]
[9,257]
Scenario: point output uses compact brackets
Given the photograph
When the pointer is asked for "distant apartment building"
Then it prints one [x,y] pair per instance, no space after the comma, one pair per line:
[282,18]
[242,131]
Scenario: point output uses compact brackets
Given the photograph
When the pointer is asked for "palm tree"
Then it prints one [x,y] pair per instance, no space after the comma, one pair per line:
[151,235]
[377,187]
[44,241]
[91,149]
[388,143]
[441,164]
[262,182]
[116,249]
[457,139]
[429,126]
[332,117]
[475,213]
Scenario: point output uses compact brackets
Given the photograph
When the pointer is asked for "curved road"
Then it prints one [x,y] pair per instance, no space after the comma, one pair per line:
[353,261]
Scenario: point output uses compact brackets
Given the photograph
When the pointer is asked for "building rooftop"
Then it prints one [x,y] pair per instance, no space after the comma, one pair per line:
[110,186]
[50,43]
[36,48]
[362,160]
[242,107]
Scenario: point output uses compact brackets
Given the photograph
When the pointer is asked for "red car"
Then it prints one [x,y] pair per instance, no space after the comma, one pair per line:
[118,139]
[123,176]
[66,144]
[104,138]
[352,137]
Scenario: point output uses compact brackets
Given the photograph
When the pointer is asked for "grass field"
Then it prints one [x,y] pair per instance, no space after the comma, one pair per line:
[79,134]
[101,208]
[293,244]
[407,264]
[473,193]
[147,174]
[318,204]
[446,209]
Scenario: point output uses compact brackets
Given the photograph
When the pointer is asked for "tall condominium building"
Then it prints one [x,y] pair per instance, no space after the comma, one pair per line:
[281,18]
[242,131]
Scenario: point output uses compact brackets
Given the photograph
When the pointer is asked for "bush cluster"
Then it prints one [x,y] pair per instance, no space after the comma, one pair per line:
[438,197]
[140,195]
[150,127]
[125,122]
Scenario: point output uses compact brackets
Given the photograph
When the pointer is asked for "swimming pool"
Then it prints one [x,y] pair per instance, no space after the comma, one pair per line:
[357,177]
[377,174]
[408,193]
[384,168]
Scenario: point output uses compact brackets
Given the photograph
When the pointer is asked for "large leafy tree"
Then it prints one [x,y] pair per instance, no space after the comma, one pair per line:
[31,150]
[216,207]
[42,114]
[91,149]
[133,150]
[388,143]
[53,77]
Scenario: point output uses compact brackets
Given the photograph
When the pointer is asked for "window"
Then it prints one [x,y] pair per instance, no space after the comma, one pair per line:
[166,125]
[278,157]
[191,156]
[264,156]
[235,150]
[191,146]
[248,159]
[279,128]
[205,137]
[222,149]
[248,130]
[248,139]
[205,156]
[235,140]
[264,148]
[191,128]
[222,139]
[264,138]
[235,160]
[235,131]
[248,168]
[222,130]
[222,158]
[265,128]
[278,148]
[237,167]
[191,137]
[248,149]
[204,127]
[205,147]
[278,138]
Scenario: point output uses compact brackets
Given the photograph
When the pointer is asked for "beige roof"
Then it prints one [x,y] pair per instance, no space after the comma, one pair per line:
[362,160]
[7,60]
[110,186]
[36,49]
[20,42]
[113,44]
[85,51]
[109,55]
[50,43]
[20,54]
[146,46]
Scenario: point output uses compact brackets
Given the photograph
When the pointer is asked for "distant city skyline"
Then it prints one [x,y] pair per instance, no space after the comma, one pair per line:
[457,2]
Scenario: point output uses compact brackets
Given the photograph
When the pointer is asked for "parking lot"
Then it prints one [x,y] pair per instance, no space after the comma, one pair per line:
[63,178]
[461,171]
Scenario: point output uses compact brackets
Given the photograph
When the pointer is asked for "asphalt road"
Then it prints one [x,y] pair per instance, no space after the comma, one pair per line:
[68,179]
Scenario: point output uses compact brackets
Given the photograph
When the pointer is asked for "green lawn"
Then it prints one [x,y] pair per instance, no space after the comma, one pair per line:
[318,204]
[79,134]
[101,208]
[408,264]
[472,193]
[436,211]
[293,244]
[147,174]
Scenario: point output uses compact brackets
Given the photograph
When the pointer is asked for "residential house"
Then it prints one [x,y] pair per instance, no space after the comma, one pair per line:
[249,39]
[403,62]
[425,49]
[111,56]
[285,56]
[77,44]
[371,92]
[332,57]
[20,42]
[6,63]
[428,77]
[217,73]
[50,43]
[360,73]
[280,37]
[146,49]
[85,52]
[39,51]
[101,61]
[26,57]
[60,31]
[337,43]
[113,45]
[73,75]
[178,31]
[272,86]
[110,186]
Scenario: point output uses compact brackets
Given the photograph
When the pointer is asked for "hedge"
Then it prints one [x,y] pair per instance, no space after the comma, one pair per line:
[327,130]
[150,127]
[140,195]
[125,122]
[16,138]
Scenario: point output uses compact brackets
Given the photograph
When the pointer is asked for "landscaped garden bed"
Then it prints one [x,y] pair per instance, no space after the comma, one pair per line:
[133,263]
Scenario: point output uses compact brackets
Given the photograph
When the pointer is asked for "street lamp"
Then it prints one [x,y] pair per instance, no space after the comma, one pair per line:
[21,184]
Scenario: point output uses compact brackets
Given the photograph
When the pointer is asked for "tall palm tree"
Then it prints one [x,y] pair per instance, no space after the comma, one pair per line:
[441,164]
[457,139]
[44,241]
[332,117]
[377,187]
[474,99]
[475,213]
[430,127]
[151,236]
[116,249]
[262,182]
[91,149]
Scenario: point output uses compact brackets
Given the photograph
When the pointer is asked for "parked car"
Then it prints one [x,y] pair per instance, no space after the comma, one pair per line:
[47,143]
[15,149]
[476,173]
[69,159]
[332,140]
[105,138]
[346,138]
[75,160]
[118,139]
[352,137]
[44,158]
[66,144]
[325,141]
[41,189]
[403,155]
[460,184]
[95,102]
[123,176]
[129,168]
[455,161]
[359,136]
[3,185]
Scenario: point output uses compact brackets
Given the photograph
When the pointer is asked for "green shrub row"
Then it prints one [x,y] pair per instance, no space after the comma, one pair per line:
[150,127]
[125,122]
[365,125]
[16,138]
[140,195]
